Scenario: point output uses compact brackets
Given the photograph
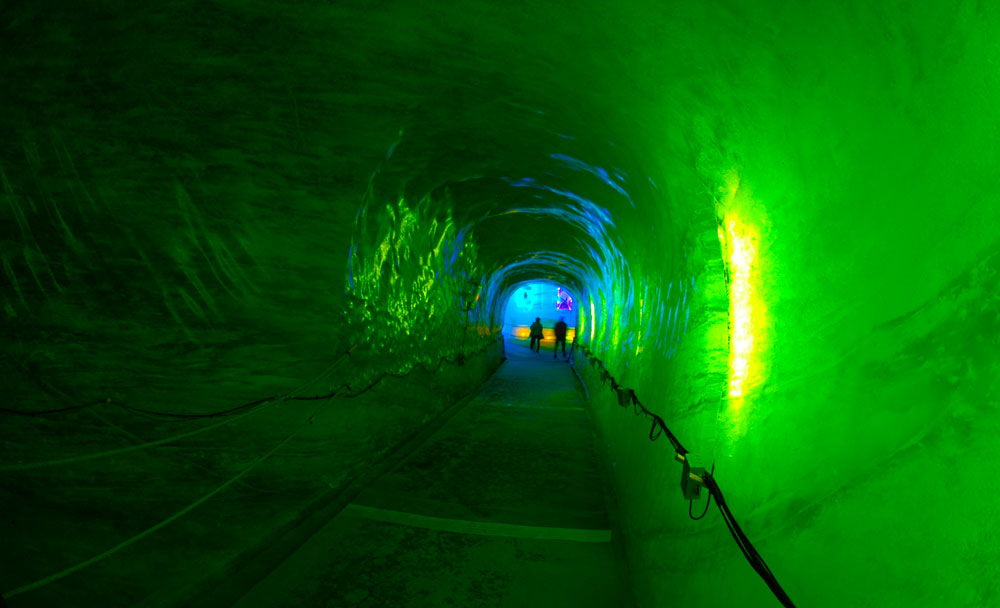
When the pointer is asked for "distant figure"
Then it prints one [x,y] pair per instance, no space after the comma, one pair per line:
[560,338]
[536,335]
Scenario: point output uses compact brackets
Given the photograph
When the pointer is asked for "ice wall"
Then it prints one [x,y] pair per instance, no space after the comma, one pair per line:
[847,153]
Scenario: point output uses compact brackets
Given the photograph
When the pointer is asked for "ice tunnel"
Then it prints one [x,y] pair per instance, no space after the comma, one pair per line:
[258,259]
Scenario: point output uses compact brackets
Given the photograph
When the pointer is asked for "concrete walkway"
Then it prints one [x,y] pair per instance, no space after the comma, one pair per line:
[502,507]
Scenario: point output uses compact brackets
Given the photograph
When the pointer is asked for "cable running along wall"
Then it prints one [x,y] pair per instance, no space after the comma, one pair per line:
[693,477]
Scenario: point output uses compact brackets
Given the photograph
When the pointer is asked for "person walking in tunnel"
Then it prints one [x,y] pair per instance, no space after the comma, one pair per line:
[560,332]
[536,335]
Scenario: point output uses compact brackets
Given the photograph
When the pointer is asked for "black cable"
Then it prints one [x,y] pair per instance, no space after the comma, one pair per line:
[754,558]
[55,411]
[707,503]
[131,408]
[229,412]
[240,408]
[691,506]
[657,426]
[329,395]
[680,449]
[352,395]
[437,368]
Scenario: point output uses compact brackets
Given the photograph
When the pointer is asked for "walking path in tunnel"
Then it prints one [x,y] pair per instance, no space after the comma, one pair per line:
[501,507]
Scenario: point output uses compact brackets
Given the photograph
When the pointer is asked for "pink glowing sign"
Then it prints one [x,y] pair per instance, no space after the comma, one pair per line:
[563,300]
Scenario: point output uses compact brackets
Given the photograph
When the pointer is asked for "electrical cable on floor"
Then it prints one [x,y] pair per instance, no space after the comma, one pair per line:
[659,427]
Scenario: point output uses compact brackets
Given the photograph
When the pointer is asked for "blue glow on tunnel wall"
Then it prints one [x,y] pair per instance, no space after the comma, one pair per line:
[539,299]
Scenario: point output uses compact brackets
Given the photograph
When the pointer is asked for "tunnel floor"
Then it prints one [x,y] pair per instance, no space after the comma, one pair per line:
[501,507]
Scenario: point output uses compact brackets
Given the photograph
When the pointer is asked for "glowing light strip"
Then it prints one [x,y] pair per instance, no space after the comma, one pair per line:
[741,309]
[593,316]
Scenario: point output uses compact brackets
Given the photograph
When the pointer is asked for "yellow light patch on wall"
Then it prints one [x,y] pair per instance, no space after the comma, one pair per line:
[744,306]
[742,230]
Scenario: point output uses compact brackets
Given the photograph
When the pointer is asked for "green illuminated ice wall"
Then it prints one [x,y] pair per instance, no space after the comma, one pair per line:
[780,221]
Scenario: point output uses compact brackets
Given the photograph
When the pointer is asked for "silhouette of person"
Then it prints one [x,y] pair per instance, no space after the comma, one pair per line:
[560,338]
[536,335]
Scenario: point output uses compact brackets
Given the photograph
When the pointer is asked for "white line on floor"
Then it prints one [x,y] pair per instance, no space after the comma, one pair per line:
[485,528]
[538,407]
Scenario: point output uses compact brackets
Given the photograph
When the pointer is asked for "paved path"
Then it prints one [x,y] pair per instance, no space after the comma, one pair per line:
[502,507]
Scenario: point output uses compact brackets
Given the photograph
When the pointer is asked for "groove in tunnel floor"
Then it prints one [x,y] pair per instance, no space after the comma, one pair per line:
[477,527]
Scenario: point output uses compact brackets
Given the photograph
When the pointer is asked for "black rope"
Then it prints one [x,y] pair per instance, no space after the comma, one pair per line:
[234,410]
[352,394]
[707,503]
[755,559]
[691,506]
[659,427]
[55,411]
[658,422]
[174,415]
[219,414]
[329,395]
